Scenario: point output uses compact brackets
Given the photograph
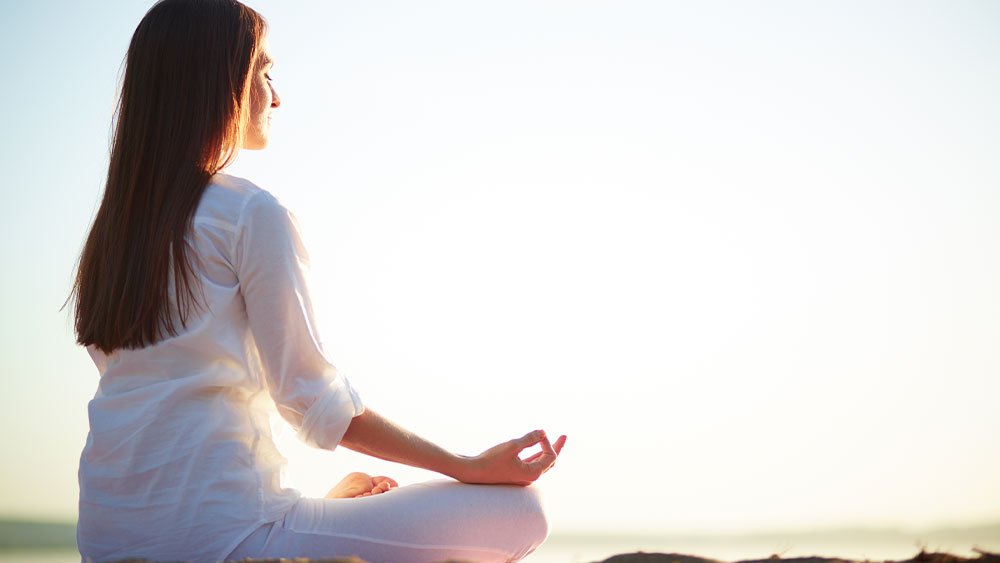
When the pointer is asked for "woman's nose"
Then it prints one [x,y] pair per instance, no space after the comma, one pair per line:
[275,100]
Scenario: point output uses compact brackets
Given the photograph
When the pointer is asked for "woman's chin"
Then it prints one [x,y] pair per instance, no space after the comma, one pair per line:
[255,144]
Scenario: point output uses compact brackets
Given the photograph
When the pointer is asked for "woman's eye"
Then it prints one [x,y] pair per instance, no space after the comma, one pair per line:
[267,76]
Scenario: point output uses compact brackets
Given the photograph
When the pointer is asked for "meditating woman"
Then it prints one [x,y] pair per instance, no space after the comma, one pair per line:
[192,299]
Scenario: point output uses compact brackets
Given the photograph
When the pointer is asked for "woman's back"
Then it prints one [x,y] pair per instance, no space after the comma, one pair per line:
[179,462]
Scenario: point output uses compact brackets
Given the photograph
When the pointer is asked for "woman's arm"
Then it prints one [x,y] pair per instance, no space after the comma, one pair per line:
[372,434]
[271,263]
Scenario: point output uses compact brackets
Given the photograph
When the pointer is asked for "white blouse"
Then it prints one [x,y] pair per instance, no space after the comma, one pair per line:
[179,463]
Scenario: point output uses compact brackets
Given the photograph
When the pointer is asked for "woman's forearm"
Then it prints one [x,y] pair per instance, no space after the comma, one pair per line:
[372,434]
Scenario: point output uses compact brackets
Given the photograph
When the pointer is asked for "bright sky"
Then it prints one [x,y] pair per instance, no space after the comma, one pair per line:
[744,254]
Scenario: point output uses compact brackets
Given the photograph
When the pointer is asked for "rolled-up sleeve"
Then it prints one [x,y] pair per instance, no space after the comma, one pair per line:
[272,265]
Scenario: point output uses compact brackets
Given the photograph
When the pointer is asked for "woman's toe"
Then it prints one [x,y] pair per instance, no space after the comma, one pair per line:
[379,480]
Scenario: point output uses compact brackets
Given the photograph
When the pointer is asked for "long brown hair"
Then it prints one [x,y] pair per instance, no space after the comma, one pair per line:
[181,117]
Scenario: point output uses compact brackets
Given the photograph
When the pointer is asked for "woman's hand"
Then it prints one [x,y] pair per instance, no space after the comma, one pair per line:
[372,434]
[502,463]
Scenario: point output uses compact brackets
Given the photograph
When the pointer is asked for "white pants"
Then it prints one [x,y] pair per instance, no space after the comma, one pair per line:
[432,521]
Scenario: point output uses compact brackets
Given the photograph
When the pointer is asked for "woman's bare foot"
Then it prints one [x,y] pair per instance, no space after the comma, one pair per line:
[358,484]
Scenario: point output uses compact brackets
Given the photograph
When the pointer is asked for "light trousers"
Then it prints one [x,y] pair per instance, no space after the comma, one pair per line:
[424,522]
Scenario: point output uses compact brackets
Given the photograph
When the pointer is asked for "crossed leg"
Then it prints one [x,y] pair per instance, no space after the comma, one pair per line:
[419,523]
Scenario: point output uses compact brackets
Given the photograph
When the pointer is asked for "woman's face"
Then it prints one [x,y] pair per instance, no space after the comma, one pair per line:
[263,99]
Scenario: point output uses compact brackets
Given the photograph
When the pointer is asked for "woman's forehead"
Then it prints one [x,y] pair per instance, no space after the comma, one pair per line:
[264,54]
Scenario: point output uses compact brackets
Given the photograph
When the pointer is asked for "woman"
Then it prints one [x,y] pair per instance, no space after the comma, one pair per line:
[192,300]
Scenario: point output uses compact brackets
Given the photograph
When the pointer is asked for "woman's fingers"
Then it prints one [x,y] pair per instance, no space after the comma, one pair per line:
[544,460]
[503,463]
[557,447]
[547,446]
[528,440]
[560,442]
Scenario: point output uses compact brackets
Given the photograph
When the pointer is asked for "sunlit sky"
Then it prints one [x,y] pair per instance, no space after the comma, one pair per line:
[745,254]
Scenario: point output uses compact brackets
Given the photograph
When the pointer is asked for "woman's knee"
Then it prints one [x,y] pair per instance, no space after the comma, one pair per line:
[513,516]
[532,514]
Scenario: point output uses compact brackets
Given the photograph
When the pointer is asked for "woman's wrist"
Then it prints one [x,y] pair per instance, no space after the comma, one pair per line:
[461,468]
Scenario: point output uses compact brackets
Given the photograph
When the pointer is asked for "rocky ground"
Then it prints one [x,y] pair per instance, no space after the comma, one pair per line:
[922,557]
[640,557]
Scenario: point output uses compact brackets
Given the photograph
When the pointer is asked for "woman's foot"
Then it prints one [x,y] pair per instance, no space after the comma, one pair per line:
[358,484]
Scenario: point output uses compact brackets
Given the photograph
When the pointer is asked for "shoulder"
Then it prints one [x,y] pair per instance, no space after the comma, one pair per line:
[229,199]
[235,190]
